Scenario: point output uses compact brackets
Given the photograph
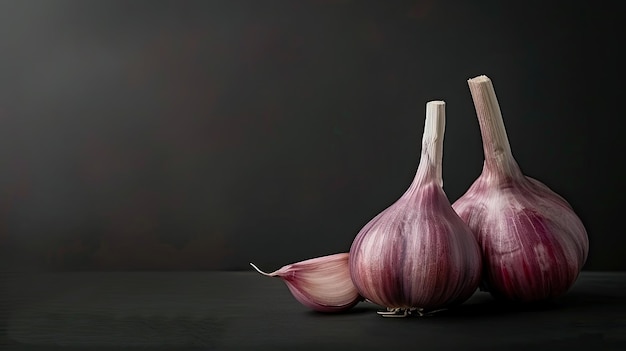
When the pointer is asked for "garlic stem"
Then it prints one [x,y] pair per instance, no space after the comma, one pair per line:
[498,156]
[430,165]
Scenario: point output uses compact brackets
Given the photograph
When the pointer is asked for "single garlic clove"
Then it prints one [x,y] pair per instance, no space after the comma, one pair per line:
[533,244]
[322,284]
[418,254]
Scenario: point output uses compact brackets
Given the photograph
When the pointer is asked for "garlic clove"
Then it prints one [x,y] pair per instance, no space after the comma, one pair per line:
[322,284]
[418,255]
[533,244]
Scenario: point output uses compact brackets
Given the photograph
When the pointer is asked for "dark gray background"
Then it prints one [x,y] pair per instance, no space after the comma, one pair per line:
[206,134]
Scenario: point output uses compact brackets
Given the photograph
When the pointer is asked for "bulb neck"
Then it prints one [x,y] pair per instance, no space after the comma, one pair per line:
[430,166]
[499,159]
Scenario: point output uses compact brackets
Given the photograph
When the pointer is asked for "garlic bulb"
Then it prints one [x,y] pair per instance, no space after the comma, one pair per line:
[533,244]
[322,284]
[418,254]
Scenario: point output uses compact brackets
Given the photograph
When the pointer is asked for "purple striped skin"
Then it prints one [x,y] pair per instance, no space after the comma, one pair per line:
[322,284]
[533,244]
[418,253]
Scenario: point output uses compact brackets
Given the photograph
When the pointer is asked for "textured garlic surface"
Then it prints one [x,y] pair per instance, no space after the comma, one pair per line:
[322,284]
[418,253]
[533,243]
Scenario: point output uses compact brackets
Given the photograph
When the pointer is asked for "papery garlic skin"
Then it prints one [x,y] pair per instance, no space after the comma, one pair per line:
[534,245]
[418,253]
[322,284]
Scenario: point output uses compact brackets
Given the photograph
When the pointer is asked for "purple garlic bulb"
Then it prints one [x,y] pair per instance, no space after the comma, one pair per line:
[533,244]
[418,254]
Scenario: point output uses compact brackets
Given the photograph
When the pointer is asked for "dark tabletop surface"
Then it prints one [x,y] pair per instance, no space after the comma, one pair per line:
[246,311]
